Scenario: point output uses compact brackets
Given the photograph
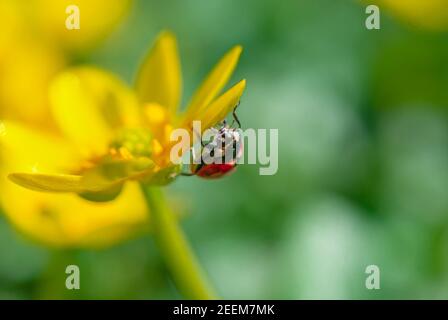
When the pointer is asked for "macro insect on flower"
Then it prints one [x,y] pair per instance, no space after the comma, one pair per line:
[221,154]
[112,135]
[118,136]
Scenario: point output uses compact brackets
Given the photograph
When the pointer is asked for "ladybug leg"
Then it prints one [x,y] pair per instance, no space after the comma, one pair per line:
[186,174]
[235,118]
[192,173]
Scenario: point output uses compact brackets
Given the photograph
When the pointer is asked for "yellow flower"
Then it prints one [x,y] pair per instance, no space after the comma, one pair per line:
[110,135]
[427,14]
[97,18]
[60,219]
[35,45]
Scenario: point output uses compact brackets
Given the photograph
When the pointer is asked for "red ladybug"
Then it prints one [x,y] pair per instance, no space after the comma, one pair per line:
[215,171]
[226,144]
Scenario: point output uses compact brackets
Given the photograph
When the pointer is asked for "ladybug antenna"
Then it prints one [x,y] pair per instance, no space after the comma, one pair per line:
[235,118]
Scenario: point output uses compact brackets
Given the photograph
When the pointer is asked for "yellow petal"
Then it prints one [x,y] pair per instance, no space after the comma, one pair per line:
[214,83]
[101,182]
[49,182]
[24,97]
[66,220]
[89,104]
[30,150]
[159,78]
[94,190]
[96,20]
[219,108]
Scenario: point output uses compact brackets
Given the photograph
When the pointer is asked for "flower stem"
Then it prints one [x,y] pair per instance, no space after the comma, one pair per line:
[179,257]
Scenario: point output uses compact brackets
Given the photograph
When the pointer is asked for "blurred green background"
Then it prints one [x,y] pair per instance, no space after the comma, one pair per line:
[363,160]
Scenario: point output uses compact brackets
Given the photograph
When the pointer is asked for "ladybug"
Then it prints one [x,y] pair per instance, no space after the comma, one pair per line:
[221,154]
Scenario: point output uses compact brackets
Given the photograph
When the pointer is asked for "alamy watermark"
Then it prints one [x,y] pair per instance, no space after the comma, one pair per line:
[373,20]
[226,145]
[72,22]
[373,280]
[72,282]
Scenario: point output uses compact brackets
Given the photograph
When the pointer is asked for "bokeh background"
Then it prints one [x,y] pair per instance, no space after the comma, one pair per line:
[363,154]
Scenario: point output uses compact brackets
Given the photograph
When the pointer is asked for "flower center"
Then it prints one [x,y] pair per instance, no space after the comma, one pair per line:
[132,143]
